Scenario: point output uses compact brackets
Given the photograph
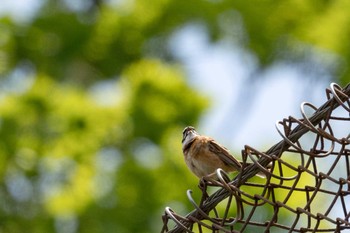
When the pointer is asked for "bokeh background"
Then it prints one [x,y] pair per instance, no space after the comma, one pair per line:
[94,95]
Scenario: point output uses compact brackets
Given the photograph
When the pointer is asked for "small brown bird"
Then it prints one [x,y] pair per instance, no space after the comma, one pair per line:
[203,155]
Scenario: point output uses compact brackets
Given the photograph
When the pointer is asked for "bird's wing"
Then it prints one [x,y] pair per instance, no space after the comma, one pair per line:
[224,155]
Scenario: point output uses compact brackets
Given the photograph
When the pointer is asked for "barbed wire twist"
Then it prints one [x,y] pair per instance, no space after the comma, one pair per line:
[307,190]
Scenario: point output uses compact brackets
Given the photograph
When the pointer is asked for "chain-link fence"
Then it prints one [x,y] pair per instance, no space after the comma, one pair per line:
[307,189]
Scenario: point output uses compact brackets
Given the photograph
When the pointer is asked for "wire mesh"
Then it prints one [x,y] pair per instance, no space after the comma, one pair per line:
[307,188]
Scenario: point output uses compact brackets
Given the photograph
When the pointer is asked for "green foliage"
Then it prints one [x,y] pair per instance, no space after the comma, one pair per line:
[100,42]
[295,30]
[82,159]
[156,105]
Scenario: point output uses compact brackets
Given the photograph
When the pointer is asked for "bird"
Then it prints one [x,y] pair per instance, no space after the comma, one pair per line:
[203,155]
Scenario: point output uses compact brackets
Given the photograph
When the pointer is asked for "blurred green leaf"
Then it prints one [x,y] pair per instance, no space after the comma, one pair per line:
[56,138]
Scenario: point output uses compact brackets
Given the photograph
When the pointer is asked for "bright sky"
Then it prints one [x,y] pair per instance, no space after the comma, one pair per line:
[222,72]
[21,10]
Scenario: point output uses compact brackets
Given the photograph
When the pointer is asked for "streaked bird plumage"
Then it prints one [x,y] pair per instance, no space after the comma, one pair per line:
[203,155]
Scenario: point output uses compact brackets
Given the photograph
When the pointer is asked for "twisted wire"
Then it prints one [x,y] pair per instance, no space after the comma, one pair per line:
[306,190]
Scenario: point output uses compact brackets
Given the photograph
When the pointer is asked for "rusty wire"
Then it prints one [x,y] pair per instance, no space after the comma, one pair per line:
[307,189]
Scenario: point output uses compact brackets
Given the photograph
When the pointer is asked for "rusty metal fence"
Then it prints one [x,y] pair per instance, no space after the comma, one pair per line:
[307,189]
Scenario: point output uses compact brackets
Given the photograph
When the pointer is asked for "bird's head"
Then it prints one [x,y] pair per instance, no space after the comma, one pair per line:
[188,135]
